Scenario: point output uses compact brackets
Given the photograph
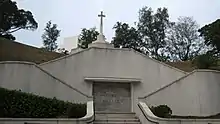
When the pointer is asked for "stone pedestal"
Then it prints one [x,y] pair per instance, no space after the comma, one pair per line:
[101,43]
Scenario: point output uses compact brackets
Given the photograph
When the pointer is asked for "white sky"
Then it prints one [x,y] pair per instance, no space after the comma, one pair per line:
[73,15]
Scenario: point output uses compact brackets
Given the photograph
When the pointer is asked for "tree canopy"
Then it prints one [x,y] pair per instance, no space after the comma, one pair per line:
[211,35]
[86,37]
[13,19]
[158,37]
[50,35]
[126,37]
[183,40]
[152,28]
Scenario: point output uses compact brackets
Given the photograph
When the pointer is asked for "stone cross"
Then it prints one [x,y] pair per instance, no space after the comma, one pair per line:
[101,22]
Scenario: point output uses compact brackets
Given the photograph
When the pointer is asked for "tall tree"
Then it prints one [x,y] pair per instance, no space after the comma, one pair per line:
[86,37]
[183,40]
[126,37]
[50,35]
[211,35]
[152,28]
[13,19]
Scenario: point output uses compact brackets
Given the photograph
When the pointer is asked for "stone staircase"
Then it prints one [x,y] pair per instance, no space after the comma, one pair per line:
[116,118]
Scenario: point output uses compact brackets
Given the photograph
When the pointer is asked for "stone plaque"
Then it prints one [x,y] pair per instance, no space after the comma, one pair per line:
[112,97]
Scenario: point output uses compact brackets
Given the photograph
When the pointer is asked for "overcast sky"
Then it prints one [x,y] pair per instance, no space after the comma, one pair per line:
[73,15]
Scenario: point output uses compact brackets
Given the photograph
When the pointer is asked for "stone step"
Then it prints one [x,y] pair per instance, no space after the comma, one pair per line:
[115,115]
[116,122]
[106,112]
[116,118]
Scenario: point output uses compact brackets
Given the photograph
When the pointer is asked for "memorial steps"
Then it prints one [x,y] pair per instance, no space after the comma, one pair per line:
[116,118]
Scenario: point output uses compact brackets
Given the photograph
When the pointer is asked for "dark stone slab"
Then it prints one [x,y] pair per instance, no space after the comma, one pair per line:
[112,97]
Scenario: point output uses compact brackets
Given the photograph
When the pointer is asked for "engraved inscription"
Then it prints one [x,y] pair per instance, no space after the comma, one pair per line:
[112,97]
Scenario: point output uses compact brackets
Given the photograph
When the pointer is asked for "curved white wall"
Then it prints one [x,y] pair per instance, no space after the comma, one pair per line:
[28,77]
[196,94]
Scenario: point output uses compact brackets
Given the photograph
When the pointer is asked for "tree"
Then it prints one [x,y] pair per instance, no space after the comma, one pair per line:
[205,61]
[86,37]
[152,28]
[13,19]
[50,35]
[183,40]
[211,35]
[126,37]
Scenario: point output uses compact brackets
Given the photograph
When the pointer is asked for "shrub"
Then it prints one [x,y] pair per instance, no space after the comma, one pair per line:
[205,61]
[16,104]
[162,111]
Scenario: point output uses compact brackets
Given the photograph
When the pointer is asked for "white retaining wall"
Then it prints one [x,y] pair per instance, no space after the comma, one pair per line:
[30,78]
[196,94]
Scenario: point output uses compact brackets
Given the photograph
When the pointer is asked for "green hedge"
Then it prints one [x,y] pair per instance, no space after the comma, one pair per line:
[206,61]
[16,104]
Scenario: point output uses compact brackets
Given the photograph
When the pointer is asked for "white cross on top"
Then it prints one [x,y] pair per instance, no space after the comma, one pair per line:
[101,22]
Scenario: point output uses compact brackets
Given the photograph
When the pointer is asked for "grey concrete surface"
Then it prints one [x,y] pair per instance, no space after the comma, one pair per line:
[195,94]
[30,78]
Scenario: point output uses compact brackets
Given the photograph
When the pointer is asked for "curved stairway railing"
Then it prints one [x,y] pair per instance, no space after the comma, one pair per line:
[147,117]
